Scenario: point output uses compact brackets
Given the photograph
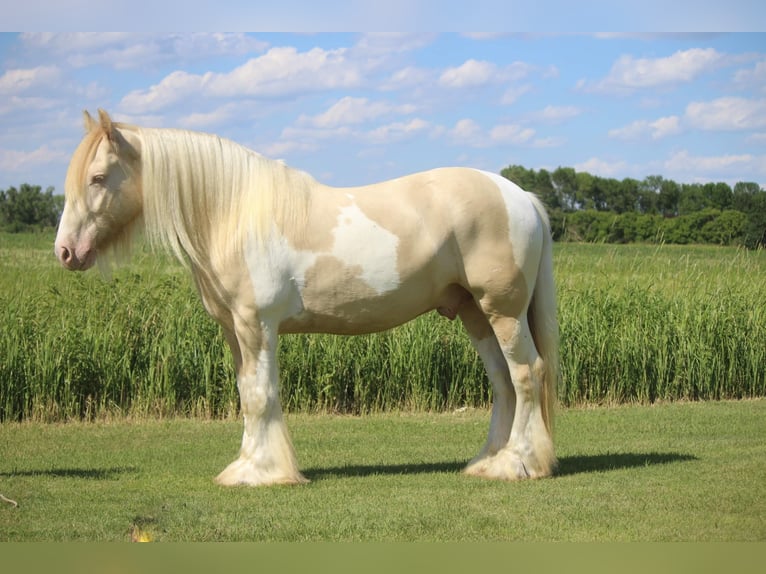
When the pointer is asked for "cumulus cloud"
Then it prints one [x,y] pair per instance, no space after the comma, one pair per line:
[407,77]
[21,80]
[721,114]
[469,74]
[18,161]
[123,50]
[473,73]
[643,129]
[286,71]
[687,166]
[556,114]
[282,71]
[603,168]
[467,132]
[754,77]
[513,93]
[350,110]
[174,87]
[397,131]
[628,73]
[728,113]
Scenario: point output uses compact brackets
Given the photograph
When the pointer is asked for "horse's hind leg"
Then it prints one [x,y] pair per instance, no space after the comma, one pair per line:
[528,452]
[503,395]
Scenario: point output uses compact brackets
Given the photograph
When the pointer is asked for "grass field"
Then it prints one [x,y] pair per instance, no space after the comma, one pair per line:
[638,324]
[670,472]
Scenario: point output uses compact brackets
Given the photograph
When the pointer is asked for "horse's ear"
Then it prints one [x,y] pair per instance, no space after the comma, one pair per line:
[88,121]
[106,123]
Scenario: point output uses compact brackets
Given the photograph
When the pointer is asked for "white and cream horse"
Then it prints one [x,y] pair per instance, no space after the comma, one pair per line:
[273,251]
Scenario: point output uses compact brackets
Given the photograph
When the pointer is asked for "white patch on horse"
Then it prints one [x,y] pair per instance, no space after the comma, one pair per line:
[359,241]
[524,232]
[277,273]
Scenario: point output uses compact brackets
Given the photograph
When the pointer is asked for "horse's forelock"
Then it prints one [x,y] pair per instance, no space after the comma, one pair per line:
[74,186]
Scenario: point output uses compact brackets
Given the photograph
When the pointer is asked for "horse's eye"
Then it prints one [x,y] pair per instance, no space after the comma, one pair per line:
[98,179]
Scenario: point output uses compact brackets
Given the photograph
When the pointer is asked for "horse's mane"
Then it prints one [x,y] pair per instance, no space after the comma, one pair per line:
[203,196]
[206,196]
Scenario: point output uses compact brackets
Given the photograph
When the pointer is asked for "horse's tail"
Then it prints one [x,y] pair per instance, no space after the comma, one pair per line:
[543,321]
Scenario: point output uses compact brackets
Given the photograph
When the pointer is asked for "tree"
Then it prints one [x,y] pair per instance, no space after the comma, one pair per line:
[585,207]
[564,181]
[624,195]
[521,176]
[719,195]
[668,198]
[755,230]
[28,207]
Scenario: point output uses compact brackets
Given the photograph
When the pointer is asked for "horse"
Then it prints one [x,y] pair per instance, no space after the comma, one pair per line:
[271,251]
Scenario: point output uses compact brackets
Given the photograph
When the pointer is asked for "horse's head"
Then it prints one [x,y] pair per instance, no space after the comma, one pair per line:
[103,193]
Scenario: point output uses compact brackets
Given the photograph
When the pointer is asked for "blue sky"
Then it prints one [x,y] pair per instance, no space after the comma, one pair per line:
[353,108]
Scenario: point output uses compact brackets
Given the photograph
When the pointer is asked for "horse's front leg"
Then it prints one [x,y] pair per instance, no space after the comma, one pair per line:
[267,455]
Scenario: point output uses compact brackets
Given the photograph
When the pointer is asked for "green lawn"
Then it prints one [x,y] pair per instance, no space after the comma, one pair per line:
[671,472]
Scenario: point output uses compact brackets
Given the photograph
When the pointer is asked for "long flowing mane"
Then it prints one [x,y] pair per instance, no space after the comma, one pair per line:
[205,195]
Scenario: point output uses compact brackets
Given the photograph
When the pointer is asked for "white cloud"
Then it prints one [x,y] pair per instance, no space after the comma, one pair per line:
[202,120]
[19,161]
[279,149]
[728,113]
[76,41]
[17,104]
[17,81]
[122,50]
[407,77]
[754,78]
[513,93]
[556,114]
[350,110]
[629,73]
[664,127]
[603,168]
[282,71]
[473,73]
[643,129]
[307,137]
[683,162]
[286,71]
[467,132]
[171,89]
[511,134]
[397,131]
[470,74]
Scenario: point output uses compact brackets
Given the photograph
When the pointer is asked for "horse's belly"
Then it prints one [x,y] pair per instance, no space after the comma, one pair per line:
[349,312]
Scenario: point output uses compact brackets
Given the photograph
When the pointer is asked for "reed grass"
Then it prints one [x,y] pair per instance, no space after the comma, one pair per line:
[638,324]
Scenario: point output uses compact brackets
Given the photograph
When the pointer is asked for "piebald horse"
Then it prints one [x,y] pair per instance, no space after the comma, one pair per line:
[273,251]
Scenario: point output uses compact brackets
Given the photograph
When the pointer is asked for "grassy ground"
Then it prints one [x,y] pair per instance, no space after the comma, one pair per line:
[670,472]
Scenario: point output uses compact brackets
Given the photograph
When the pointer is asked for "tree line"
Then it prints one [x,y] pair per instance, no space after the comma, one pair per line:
[28,208]
[585,207]
[582,207]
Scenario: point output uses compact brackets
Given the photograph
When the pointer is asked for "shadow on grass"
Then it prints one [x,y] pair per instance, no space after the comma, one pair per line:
[568,465]
[86,473]
[382,469]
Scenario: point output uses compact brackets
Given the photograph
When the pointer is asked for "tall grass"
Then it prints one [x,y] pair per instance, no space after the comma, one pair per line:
[638,324]
[643,323]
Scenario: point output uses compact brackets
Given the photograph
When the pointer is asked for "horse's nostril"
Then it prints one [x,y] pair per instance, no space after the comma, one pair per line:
[65,255]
